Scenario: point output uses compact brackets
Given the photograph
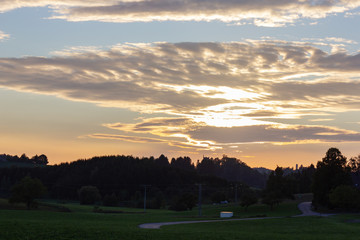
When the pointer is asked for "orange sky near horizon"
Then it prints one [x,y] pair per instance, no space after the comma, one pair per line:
[271,83]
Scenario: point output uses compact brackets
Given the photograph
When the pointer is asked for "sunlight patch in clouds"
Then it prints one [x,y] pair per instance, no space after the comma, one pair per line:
[214,95]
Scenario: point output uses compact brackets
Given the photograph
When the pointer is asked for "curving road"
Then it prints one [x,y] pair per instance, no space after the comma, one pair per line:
[304,207]
[158,225]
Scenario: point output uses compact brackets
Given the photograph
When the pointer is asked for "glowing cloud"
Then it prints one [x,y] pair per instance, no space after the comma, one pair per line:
[213,94]
[193,134]
[202,78]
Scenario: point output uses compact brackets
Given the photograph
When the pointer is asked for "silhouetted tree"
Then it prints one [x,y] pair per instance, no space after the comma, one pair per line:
[209,166]
[303,179]
[26,191]
[24,158]
[331,172]
[42,159]
[277,188]
[162,161]
[354,164]
[231,169]
[182,163]
[248,198]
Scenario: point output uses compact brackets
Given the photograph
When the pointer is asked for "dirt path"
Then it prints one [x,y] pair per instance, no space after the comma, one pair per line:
[304,207]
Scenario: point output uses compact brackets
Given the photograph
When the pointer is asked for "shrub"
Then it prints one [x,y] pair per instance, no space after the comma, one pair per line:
[183,202]
[110,200]
[345,197]
[218,197]
[89,195]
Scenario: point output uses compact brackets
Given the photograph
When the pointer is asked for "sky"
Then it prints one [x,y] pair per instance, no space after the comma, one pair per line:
[273,83]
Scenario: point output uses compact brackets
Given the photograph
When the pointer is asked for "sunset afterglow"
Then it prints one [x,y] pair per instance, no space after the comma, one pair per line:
[272,84]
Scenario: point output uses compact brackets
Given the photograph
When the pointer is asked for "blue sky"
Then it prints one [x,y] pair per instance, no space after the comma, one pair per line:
[270,84]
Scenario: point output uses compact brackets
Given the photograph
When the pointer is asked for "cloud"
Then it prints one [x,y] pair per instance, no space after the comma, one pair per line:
[352,14]
[166,127]
[340,40]
[214,94]
[187,144]
[331,40]
[256,79]
[274,13]
[4,36]
[126,138]
[337,44]
[8,5]
[268,133]
[258,12]
[321,120]
[191,133]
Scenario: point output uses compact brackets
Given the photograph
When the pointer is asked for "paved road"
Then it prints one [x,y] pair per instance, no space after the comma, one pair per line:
[304,207]
[158,225]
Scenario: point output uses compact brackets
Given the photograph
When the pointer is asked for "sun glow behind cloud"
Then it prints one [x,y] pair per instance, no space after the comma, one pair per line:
[210,96]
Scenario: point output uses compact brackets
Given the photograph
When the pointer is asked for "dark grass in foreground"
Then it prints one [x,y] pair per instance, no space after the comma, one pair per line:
[82,223]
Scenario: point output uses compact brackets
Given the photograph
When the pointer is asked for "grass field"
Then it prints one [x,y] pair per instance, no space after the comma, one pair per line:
[83,223]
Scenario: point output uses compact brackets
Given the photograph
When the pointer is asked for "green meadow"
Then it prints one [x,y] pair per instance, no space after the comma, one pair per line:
[47,222]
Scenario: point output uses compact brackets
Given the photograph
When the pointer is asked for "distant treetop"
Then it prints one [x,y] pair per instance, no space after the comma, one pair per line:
[39,160]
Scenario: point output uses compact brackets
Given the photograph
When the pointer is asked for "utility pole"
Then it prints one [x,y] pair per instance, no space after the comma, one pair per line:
[145,196]
[236,196]
[199,203]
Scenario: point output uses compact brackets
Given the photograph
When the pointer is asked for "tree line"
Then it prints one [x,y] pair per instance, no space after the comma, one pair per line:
[10,160]
[124,176]
[121,180]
